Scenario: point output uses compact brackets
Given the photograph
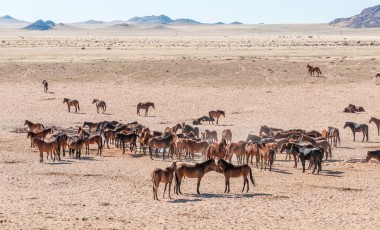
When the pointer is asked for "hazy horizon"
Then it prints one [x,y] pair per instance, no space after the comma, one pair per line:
[253,12]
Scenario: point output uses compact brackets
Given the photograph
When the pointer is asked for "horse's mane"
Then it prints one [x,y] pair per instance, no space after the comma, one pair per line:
[220,111]
[226,164]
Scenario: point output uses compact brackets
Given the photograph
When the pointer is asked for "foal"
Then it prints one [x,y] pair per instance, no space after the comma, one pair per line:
[165,176]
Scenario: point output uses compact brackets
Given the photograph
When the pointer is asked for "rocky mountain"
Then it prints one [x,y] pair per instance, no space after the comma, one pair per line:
[41,25]
[368,18]
[8,18]
[161,19]
[92,21]
[236,23]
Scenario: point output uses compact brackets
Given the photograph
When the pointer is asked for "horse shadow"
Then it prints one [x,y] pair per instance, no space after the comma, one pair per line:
[81,113]
[225,125]
[108,114]
[182,201]
[233,196]
[62,162]
[332,173]
[281,171]
[332,161]
[51,93]
[137,155]
[345,147]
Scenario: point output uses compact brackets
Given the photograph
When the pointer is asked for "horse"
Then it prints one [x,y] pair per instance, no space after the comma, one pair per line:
[109,134]
[144,140]
[268,130]
[333,136]
[194,146]
[94,139]
[230,170]
[46,84]
[312,69]
[70,103]
[42,135]
[174,129]
[357,128]
[74,143]
[217,150]
[130,138]
[99,105]
[377,123]
[313,134]
[373,154]
[238,149]
[47,147]
[315,155]
[324,144]
[34,126]
[267,157]
[227,135]
[91,125]
[193,171]
[210,135]
[216,114]
[144,106]
[357,108]
[349,110]
[289,151]
[188,129]
[161,142]
[165,176]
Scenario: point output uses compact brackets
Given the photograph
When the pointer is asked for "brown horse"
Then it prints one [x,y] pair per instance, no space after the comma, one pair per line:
[99,105]
[70,103]
[91,140]
[194,146]
[227,135]
[109,136]
[217,150]
[75,143]
[91,125]
[238,149]
[193,171]
[267,157]
[34,126]
[161,143]
[377,123]
[230,170]
[333,136]
[144,140]
[174,129]
[312,70]
[289,151]
[144,106]
[47,147]
[250,151]
[216,114]
[46,84]
[210,135]
[165,176]
[130,138]
[373,154]
[42,135]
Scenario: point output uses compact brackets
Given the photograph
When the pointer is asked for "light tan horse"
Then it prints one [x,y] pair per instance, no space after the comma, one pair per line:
[210,135]
[194,146]
[267,157]
[42,135]
[34,126]
[70,103]
[377,123]
[227,135]
[144,106]
[230,170]
[216,114]
[252,150]
[163,175]
[47,147]
[99,105]
[193,171]
[238,149]
[46,84]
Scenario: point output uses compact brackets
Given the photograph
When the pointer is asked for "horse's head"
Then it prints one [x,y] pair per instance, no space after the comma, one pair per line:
[372,119]
[346,124]
[308,66]
[152,104]
[94,101]
[222,113]
[65,100]
[369,156]
[26,122]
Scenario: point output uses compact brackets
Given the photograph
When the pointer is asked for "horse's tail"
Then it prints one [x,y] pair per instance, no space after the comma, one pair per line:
[251,176]
[105,106]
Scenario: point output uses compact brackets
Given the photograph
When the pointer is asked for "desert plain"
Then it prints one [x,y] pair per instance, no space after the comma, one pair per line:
[255,73]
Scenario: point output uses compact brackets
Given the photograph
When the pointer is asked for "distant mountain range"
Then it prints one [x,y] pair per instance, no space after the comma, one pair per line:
[162,19]
[368,18]
[41,25]
[8,18]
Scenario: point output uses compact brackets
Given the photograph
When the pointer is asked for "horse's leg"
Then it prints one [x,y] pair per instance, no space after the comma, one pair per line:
[303,165]
[198,184]
[217,120]
[226,183]
[363,135]
[354,134]
[170,185]
[245,181]
[42,156]
[163,195]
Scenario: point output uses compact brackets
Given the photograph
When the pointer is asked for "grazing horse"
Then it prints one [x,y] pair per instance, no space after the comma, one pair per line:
[70,103]
[91,125]
[312,70]
[315,155]
[99,105]
[357,128]
[163,175]
[216,114]
[377,123]
[34,126]
[373,154]
[194,146]
[42,135]
[227,135]
[144,106]
[217,150]
[46,84]
[230,170]
[47,147]
[210,135]
[333,136]
[193,171]
[161,143]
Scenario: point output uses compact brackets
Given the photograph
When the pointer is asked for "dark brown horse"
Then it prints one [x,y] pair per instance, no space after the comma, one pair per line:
[216,114]
[193,171]
[70,103]
[377,123]
[230,170]
[163,175]
[144,106]
[313,70]
[357,108]
[99,105]
[130,138]
[373,154]
[46,84]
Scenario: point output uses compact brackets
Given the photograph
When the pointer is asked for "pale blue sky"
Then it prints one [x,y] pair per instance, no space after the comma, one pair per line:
[209,11]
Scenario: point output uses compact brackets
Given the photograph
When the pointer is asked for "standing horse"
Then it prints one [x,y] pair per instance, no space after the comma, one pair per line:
[217,150]
[46,84]
[47,147]
[373,154]
[193,171]
[144,106]
[267,157]
[315,155]
[99,105]
[250,151]
[210,135]
[165,176]
[333,136]
[227,135]
[187,129]
[230,170]
[358,128]
[161,143]
[34,126]
[377,123]
[42,135]
[312,69]
[91,125]
[194,146]
[70,103]
[289,151]
[216,114]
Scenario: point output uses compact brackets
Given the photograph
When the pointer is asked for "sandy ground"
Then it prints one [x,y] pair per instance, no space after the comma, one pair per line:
[256,79]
